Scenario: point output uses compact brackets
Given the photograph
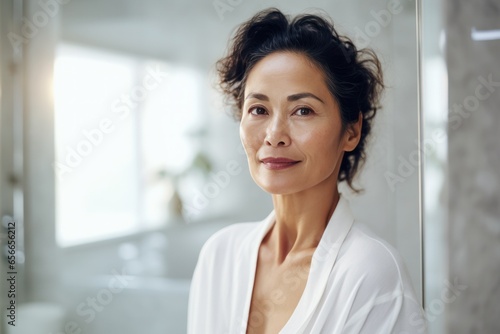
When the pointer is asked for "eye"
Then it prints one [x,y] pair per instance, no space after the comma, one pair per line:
[303,111]
[257,111]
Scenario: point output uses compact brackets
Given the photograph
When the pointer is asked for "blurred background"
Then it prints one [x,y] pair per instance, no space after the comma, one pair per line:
[119,158]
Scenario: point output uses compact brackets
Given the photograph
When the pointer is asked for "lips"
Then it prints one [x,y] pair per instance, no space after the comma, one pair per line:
[278,163]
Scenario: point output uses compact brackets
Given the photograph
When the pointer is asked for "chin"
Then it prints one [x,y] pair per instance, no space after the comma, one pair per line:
[274,183]
[280,188]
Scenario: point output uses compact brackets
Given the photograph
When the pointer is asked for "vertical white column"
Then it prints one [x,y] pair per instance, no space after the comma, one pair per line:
[40,29]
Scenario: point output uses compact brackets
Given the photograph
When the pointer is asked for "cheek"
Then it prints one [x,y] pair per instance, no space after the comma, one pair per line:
[249,139]
[322,146]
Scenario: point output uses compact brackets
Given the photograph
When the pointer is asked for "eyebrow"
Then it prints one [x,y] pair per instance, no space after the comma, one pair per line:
[298,96]
[257,96]
[291,98]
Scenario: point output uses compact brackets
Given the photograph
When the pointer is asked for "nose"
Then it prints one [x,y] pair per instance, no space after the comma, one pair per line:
[277,132]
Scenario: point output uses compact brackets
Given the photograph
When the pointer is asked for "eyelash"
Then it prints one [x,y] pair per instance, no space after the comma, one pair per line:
[300,108]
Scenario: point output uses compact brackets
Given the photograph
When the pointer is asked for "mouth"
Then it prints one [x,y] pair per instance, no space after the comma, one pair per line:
[278,163]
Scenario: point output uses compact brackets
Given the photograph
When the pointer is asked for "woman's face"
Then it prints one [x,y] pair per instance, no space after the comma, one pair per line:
[288,112]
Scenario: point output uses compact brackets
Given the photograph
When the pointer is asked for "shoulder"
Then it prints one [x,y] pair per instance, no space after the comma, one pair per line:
[375,274]
[228,237]
[366,256]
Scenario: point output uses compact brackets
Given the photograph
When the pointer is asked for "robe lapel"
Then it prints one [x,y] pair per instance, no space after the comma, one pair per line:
[322,263]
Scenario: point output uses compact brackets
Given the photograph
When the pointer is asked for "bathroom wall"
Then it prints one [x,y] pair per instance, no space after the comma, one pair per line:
[473,230]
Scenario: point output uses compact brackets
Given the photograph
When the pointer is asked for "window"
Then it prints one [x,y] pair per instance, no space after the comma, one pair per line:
[121,124]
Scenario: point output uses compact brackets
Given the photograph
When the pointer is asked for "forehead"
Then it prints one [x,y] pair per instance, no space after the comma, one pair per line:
[286,71]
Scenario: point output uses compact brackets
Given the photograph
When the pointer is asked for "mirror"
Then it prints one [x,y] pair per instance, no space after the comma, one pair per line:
[145,163]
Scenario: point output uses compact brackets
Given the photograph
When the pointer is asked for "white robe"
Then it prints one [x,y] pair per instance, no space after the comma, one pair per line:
[357,283]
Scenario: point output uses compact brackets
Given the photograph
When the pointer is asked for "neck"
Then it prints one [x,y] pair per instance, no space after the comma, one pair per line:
[301,219]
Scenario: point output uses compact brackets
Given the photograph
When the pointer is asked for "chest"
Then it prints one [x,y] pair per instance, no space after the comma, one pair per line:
[276,293]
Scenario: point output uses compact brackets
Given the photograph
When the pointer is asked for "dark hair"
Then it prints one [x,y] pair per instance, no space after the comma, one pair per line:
[354,77]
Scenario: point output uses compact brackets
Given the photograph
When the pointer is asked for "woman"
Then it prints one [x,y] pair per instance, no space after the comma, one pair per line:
[305,98]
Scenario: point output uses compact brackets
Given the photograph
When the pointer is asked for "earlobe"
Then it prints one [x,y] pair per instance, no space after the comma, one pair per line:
[353,134]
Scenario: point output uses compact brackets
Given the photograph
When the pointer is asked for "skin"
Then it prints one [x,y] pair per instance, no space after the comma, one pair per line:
[307,129]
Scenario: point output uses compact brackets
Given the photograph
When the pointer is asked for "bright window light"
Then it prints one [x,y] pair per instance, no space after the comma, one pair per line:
[120,121]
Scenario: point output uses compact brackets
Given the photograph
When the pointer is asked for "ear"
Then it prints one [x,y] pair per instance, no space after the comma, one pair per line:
[352,134]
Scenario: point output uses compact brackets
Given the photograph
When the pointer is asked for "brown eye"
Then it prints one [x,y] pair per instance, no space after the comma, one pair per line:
[304,111]
[257,111]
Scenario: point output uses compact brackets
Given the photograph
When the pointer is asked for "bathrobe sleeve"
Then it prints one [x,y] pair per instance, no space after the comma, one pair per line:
[385,307]
[376,290]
